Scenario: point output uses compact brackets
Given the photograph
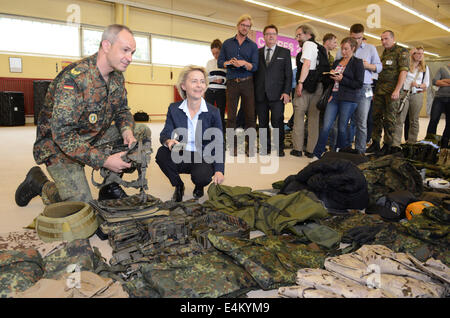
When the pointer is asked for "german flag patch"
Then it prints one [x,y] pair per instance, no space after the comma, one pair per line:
[68,86]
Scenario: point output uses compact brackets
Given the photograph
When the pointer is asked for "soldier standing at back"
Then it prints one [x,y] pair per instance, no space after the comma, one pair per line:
[75,126]
[395,60]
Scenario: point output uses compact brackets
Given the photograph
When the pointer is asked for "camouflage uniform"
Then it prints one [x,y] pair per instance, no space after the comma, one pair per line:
[271,260]
[75,122]
[395,60]
[19,270]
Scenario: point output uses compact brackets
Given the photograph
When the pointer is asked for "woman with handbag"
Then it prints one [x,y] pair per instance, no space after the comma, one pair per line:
[348,76]
[417,81]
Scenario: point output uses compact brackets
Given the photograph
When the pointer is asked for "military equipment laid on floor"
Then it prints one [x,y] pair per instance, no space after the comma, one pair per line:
[388,174]
[162,231]
[66,221]
[421,151]
[374,271]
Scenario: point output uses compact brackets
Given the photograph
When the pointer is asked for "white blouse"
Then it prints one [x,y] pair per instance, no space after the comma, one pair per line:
[422,78]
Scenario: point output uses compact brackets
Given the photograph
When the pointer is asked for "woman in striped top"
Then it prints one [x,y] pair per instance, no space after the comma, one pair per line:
[215,94]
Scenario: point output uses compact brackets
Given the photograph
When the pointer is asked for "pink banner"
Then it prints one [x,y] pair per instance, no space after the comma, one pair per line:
[283,41]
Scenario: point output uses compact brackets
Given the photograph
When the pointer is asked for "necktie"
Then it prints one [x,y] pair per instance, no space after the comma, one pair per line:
[268,56]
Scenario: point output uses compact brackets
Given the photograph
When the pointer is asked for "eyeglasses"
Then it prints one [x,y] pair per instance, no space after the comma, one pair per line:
[270,33]
[245,26]
[298,35]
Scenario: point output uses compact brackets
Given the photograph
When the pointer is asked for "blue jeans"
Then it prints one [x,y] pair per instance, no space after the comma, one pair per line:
[335,108]
[358,125]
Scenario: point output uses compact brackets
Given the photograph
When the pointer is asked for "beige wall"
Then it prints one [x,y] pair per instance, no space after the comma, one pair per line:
[150,87]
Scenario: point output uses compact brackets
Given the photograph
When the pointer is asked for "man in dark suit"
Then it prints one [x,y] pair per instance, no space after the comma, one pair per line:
[273,81]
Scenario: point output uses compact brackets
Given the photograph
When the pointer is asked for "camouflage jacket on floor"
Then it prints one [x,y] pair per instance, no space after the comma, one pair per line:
[271,260]
[209,275]
[388,174]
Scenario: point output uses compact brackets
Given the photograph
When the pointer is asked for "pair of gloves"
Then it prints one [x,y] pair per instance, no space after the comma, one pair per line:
[361,234]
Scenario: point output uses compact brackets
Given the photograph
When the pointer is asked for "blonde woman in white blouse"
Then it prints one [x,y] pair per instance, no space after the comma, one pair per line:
[417,80]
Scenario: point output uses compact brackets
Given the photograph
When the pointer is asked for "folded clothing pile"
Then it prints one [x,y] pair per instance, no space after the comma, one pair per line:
[372,271]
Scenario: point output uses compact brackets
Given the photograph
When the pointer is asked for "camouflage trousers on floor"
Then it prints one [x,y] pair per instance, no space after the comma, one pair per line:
[70,182]
[384,117]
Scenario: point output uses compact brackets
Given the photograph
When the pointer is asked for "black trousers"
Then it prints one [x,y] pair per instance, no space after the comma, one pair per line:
[276,109]
[218,98]
[201,173]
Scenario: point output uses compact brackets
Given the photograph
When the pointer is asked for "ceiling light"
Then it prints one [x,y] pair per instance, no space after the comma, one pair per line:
[418,14]
[310,17]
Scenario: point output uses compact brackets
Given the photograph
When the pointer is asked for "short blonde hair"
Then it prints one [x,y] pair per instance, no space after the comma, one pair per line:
[245,17]
[183,77]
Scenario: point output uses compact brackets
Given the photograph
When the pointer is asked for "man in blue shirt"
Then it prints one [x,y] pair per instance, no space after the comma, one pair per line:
[372,64]
[239,55]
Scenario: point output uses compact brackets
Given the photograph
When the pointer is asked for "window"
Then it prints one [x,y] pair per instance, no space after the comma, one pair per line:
[62,39]
[91,41]
[142,48]
[33,36]
[178,52]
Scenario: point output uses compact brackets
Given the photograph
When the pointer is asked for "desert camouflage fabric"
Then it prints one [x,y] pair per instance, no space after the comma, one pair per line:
[75,285]
[373,271]
[25,239]
[79,107]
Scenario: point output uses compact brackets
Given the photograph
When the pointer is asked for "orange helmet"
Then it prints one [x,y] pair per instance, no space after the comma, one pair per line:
[416,208]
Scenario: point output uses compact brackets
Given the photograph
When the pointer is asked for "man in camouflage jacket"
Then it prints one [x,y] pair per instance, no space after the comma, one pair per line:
[388,92]
[75,126]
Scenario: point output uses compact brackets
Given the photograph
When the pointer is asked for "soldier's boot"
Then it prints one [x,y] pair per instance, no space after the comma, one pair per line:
[386,150]
[396,150]
[374,147]
[31,186]
[111,191]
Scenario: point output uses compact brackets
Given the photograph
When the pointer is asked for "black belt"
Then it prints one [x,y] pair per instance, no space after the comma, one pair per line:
[239,79]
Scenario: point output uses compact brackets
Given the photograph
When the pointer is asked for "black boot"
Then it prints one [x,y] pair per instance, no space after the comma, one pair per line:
[31,186]
[386,150]
[178,194]
[198,192]
[111,191]
[374,147]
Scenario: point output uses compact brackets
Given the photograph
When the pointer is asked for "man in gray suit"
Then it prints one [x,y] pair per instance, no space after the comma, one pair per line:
[273,81]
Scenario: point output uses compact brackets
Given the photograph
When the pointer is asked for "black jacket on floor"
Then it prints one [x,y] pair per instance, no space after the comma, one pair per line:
[337,182]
